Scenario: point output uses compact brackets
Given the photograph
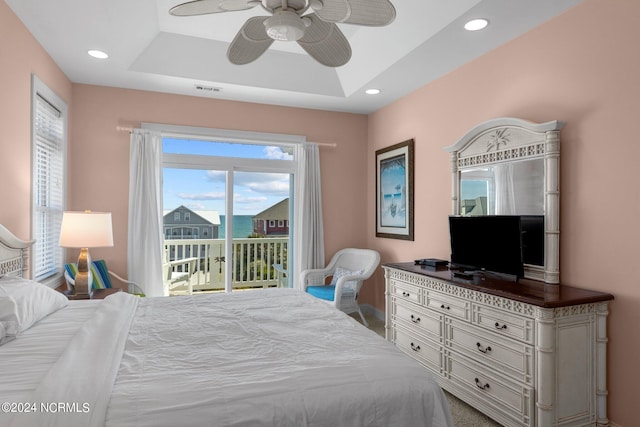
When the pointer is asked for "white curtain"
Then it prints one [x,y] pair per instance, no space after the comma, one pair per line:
[145,211]
[505,194]
[309,233]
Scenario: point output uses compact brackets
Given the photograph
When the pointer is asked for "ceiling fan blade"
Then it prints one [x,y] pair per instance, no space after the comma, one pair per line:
[204,7]
[325,42]
[250,42]
[374,13]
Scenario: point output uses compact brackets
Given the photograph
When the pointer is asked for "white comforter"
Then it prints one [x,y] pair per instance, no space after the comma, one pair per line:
[264,358]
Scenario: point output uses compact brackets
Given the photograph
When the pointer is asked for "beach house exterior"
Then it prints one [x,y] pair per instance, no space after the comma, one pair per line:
[184,223]
[273,221]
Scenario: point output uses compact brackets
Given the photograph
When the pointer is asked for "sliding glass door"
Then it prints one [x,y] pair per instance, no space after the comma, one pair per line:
[226,217]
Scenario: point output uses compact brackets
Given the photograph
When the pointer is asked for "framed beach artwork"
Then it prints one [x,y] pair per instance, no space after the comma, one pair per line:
[394,191]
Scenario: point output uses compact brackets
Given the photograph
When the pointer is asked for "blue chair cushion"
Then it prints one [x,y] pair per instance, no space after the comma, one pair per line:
[325,292]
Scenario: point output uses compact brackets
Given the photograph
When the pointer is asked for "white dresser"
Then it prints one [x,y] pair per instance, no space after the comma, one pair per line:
[522,355]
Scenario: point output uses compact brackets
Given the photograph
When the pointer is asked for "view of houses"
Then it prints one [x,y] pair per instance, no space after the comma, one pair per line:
[273,221]
[195,252]
[185,223]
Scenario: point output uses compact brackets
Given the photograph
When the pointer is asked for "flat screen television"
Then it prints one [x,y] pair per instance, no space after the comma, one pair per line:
[490,243]
[532,239]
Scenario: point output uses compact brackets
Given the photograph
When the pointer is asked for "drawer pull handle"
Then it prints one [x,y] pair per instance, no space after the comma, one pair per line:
[406,294]
[483,350]
[498,326]
[415,347]
[481,386]
[445,307]
[415,319]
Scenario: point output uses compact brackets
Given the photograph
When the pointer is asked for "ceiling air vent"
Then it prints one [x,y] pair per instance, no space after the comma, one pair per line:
[208,88]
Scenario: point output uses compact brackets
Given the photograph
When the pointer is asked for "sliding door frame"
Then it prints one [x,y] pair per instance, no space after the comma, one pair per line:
[230,165]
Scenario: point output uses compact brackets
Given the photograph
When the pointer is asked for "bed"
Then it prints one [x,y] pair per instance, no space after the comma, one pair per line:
[274,357]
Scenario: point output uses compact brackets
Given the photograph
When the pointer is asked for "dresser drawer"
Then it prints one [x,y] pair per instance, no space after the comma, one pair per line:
[425,351]
[493,392]
[415,318]
[405,291]
[504,323]
[505,355]
[449,305]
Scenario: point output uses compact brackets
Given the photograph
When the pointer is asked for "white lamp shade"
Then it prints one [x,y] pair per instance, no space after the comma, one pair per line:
[86,230]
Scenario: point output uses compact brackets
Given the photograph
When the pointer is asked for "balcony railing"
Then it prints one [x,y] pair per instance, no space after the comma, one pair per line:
[252,260]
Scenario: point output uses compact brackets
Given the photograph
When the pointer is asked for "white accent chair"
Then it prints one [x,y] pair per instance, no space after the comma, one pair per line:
[178,274]
[349,268]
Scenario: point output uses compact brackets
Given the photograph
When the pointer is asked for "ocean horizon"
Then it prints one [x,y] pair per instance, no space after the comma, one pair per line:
[242,226]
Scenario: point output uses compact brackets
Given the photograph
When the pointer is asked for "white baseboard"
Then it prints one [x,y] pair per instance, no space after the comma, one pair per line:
[371,310]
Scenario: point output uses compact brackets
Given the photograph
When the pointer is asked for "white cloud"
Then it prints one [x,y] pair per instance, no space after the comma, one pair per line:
[270,187]
[201,196]
[249,200]
[277,153]
[264,183]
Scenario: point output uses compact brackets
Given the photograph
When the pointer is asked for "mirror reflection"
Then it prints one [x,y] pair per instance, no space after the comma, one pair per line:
[513,188]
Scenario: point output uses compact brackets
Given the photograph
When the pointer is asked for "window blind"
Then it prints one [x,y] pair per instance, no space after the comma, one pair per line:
[48,182]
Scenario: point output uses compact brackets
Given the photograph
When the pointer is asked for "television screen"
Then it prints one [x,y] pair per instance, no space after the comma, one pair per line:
[491,243]
[532,239]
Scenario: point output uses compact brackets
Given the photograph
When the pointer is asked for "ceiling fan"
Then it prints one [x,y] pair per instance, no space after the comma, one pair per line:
[316,32]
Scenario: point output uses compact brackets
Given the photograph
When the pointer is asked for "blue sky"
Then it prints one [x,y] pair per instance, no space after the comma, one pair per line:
[205,190]
[472,188]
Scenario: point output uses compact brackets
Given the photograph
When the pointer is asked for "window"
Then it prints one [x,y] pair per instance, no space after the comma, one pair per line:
[280,223]
[48,154]
[176,216]
[476,192]
[272,223]
[228,183]
[187,216]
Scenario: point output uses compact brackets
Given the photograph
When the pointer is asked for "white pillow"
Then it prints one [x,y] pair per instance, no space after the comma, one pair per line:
[23,302]
[339,272]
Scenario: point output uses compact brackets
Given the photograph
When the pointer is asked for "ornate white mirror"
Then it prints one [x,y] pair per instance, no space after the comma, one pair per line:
[509,166]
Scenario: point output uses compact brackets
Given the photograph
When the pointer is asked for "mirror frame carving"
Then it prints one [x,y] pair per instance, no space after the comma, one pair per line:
[508,139]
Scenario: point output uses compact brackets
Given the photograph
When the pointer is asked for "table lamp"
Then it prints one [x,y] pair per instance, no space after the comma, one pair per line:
[85,230]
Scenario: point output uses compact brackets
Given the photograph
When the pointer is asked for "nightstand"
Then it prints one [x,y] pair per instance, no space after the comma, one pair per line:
[97,293]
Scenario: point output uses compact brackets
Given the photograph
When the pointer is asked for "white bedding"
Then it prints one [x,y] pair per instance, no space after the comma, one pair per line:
[262,358]
[25,361]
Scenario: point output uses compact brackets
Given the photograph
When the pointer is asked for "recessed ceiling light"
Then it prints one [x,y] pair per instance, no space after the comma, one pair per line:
[372,91]
[476,24]
[98,54]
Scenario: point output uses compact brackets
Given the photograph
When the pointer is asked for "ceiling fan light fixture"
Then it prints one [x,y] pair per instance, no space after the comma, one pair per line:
[285,25]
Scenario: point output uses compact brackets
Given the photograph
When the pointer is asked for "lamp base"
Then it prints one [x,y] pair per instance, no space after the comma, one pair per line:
[83,278]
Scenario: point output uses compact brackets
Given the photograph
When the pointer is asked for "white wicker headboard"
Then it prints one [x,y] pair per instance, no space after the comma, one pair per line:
[14,254]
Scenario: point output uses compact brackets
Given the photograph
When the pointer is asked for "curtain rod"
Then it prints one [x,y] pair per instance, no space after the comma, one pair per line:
[319,144]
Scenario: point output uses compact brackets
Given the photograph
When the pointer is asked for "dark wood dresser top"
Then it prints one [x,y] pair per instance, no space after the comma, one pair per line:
[524,290]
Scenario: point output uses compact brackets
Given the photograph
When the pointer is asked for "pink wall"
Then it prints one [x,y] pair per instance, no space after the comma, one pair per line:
[20,56]
[583,68]
[99,155]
